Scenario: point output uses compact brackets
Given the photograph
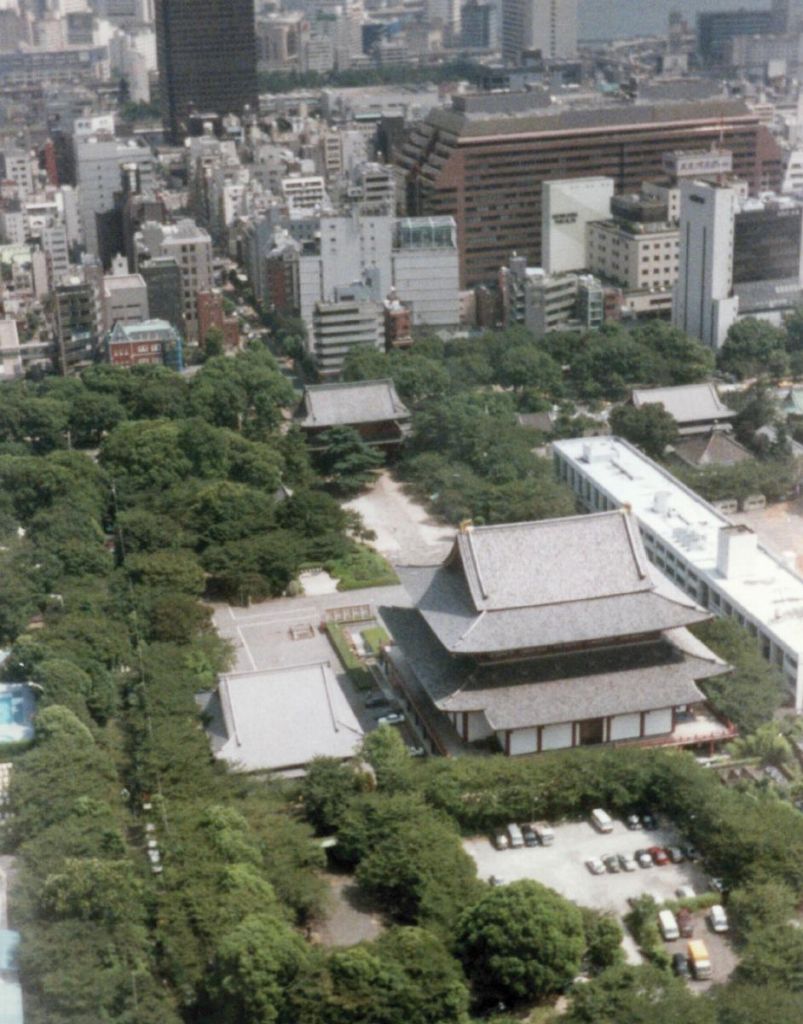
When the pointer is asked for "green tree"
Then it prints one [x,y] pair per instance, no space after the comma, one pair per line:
[420,873]
[92,415]
[528,367]
[520,941]
[253,967]
[753,348]
[760,906]
[385,751]
[637,995]
[347,461]
[650,427]
[603,938]
[751,693]
[94,889]
[167,570]
[213,343]
[753,1004]
[327,788]
[773,958]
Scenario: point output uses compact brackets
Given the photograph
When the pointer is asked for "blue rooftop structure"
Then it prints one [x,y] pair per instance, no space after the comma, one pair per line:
[17,705]
[10,989]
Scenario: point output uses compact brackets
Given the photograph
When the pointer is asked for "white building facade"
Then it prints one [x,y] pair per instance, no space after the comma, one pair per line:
[703,305]
[717,562]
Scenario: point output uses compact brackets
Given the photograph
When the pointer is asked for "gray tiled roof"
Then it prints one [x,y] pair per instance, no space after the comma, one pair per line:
[688,403]
[574,558]
[282,718]
[716,448]
[366,401]
[545,691]
[553,583]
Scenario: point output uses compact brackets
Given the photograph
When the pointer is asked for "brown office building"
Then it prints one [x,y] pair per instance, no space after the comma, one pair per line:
[486,169]
[206,51]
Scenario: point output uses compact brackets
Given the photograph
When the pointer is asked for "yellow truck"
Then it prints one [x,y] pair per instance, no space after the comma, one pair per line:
[699,960]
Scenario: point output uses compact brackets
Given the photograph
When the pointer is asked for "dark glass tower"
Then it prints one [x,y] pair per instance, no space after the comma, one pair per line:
[207,59]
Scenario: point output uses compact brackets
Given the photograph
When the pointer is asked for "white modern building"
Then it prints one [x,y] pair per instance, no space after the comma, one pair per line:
[341,326]
[567,208]
[125,299]
[99,163]
[10,354]
[703,305]
[715,561]
[415,256]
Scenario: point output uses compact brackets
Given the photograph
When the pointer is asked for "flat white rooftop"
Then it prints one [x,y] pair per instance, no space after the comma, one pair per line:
[758,582]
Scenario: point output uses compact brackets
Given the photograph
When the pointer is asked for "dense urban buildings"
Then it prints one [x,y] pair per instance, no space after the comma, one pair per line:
[487,170]
[207,59]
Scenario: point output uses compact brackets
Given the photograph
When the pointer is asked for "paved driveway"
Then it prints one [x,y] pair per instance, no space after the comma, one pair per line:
[405,532]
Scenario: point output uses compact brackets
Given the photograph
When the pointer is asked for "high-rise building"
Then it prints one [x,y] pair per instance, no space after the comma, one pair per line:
[191,248]
[548,27]
[206,52]
[704,305]
[486,169]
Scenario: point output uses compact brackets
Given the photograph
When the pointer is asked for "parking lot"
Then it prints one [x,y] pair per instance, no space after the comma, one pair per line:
[562,865]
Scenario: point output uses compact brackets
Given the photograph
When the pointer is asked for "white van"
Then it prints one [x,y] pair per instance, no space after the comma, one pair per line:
[601,820]
[515,836]
[545,833]
[668,925]
[718,918]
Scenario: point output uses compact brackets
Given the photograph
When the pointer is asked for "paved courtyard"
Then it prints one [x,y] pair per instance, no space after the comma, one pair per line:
[562,865]
[285,632]
[779,528]
[405,532]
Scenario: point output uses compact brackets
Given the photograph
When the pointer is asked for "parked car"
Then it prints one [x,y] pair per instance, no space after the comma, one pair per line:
[611,863]
[545,833]
[393,718]
[680,965]
[685,920]
[530,838]
[659,855]
[717,885]
[601,820]
[717,918]
[377,700]
[691,853]
[416,751]
[595,866]
[515,836]
[500,840]
[668,925]
[675,854]
[648,821]
[633,822]
[685,892]
[626,862]
[643,859]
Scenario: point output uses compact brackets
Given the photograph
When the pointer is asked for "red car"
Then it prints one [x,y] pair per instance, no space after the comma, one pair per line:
[658,854]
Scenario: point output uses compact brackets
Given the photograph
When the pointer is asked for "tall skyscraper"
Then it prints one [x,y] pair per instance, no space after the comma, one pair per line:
[207,58]
[704,304]
[545,26]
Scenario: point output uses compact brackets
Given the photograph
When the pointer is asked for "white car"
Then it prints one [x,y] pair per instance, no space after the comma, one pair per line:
[717,918]
[643,859]
[626,862]
[595,866]
[394,718]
